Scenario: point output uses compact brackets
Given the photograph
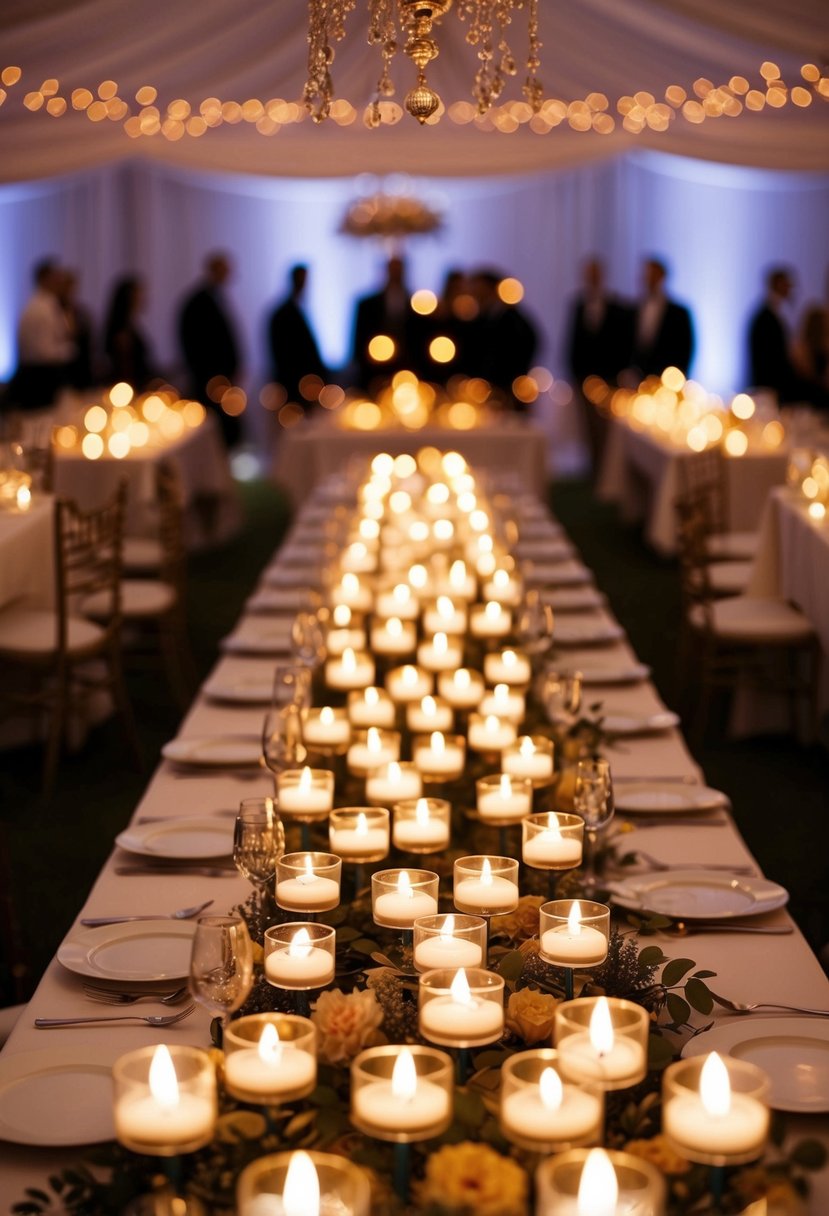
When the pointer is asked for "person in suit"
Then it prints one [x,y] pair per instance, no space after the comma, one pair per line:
[293,347]
[127,350]
[599,336]
[503,338]
[663,332]
[45,343]
[388,312]
[208,341]
[78,318]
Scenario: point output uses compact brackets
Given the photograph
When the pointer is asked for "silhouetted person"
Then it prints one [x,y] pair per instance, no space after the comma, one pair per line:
[504,340]
[599,335]
[451,319]
[208,341]
[663,333]
[389,313]
[45,348]
[125,346]
[80,373]
[810,353]
[772,365]
[293,347]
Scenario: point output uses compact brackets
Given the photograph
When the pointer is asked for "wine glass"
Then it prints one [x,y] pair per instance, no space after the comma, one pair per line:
[561,695]
[593,800]
[308,639]
[282,745]
[534,626]
[258,843]
[221,964]
[291,685]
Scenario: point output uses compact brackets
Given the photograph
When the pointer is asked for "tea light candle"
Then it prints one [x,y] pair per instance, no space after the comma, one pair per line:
[547,847]
[359,835]
[294,961]
[393,636]
[308,891]
[490,620]
[504,797]
[444,616]
[421,825]
[504,704]
[503,589]
[344,632]
[352,593]
[529,757]
[460,1016]
[459,583]
[439,758]
[438,944]
[155,1111]
[392,782]
[507,667]
[420,580]
[489,734]
[595,1049]
[569,942]
[373,749]
[302,1184]
[326,727]
[269,1070]
[408,683]
[429,714]
[404,1106]
[358,558]
[352,669]
[481,885]
[396,903]
[716,1123]
[462,689]
[371,707]
[547,1113]
[401,602]
[596,1182]
[307,792]
[440,654]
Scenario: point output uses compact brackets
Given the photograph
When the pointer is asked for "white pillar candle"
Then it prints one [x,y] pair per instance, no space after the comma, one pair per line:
[507,800]
[371,707]
[401,601]
[308,892]
[462,689]
[444,616]
[351,592]
[423,831]
[507,667]
[440,654]
[269,1069]
[404,1103]
[164,1117]
[490,620]
[716,1120]
[551,1111]
[401,907]
[445,949]
[429,714]
[460,1016]
[437,757]
[370,753]
[300,964]
[352,669]
[528,761]
[360,841]
[393,637]
[326,727]
[408,683]
[393,782]
[490,734]
[504,704]
[486,893]
[574,944]
[599,1054]
[550,848]
[307,796]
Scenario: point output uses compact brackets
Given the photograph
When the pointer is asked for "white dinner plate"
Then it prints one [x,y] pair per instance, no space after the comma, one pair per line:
[214,751]
[197,837]
[290,576]
[567,574]
[258,635]
[792,1051]
[664,798]
[587,633]
[699,894]
[250,691]
[640,724]
[57,1096]
[544,551]
[138,951]
[279,599]
[573,599]
[597,673]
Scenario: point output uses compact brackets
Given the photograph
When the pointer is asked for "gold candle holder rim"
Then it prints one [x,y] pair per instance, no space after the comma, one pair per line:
[317,932]
[577,1013]
[299,1029]
[624,1164]
[505,865]
[438,980]
[540,821]
[391,877]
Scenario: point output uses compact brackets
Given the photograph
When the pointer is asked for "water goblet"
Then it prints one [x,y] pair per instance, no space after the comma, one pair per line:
[561,695]
[534,625]
[282,745]
[593,800]
[308,639]
[291,685]
[258,843]
[221,964]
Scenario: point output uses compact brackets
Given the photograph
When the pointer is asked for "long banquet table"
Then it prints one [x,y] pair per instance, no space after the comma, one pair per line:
[781,968]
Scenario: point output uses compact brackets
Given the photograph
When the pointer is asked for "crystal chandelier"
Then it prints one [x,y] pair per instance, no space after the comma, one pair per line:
[411,24]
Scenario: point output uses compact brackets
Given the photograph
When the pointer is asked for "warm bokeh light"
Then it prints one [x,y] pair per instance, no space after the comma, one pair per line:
[424,302]
[381,348]
[442,349]
[511,291]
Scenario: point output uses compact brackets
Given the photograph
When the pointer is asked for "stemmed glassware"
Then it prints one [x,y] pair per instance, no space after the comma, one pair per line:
[308,639]
[593,800]
[221,964]
[258,843]
[291,685]
[282,745]
[560,694]
[534,625]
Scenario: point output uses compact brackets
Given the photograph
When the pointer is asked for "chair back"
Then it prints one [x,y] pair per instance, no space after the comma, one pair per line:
[170,499]
[703,475]
[88,561]
[693,530]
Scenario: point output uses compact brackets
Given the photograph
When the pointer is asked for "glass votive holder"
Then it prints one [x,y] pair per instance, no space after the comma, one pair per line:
[444,615]
[530,756]
[460,1007]
[400,897]
[392,637]
[346,631]
[409,683]
[326,730]
[502,799]
[715,1109]
[462,689]
[352,592]
[443,652]
[507,666]
[503,587]
[402,1094]
[432,713]
[505,703]
[165,1100]
[389,783]
[359,833]
[352,669]
[270,1058]
[305,794]
[370,748]
[371,706]
[302,1181]
[552,840]
[439,757]
[490,620]
[598,1180]
[602,1039]
[396,598]
[543,1112]
[308,882]
[489,734]
[449,940]
[574,932]
[421,825]
[486,886]
[300,955]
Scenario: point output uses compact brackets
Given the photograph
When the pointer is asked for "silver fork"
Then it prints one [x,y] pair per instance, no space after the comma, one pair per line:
[152,1020]
[655,864]
[739,1007]
[109,996]
[179,914]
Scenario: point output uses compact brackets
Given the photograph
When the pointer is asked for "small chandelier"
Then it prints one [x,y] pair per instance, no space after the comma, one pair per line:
[392,21]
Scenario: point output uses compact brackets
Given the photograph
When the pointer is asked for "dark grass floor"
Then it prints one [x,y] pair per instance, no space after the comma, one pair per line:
[56,848]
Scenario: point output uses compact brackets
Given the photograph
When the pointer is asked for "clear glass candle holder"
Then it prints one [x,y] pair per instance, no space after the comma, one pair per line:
[486,886]
[308,882]
[371,706]
[396,598]
[352,669]
[409,683]
[449,940]
[326,730]
[543,1112]
[359,833]
[345,632]
[421,825]
[443,652]
[444,615]
[165,1100]
[300,955]
[490,620]
[507,666]
[574,932]
[602,1039]
[461,1008]
[438,756]
[402,1094]
[462,689]
[530,756]
[552,840]
[393,782]
[270,1058]
[585,1180]
[505,703]
[371,748]
[393,638]
[353,592]
[305,794]
[400,897]
[293,1182]
[715,1109]
[432,713]
[490,734]
[502,799]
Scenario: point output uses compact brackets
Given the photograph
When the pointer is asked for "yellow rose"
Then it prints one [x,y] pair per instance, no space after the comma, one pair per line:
[659,1153]
[474,1178]
[521,923]
[346,1024]
[530,1015]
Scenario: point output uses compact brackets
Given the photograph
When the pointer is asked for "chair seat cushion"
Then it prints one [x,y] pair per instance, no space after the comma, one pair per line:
[732,546]
[141,553]
[729,578]
[749,619]
[34,631]
[140,597]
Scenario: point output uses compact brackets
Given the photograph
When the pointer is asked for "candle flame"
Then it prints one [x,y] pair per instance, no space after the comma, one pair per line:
[440,642]
[500,579]
[601,1028]
[492,723]
[447,931]
[418,576]
[552,1091]
[306,780]
[404,885]
[163,1080]
[598,1188]
[500,694]
[492,610]
[373,741]
[459,989]
[350,583]
[463,678]
[437,742]
[422,812]
[505,789]
[457,573]
[715,1087]
[394,625]
[402,593]
[362,825]
[404,1076]
[409,674]
[309,868]
[342,616]
[553,828]
[509,658]
[526,746]
[301,1196]
[349,659]
[326,716]
[393,772]
[300,944]
[269,1047]
[428,707]
[574,919]
[486,873]
[445,607]
[371,696]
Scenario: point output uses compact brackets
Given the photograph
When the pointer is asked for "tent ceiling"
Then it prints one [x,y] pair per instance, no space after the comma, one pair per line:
[257,48]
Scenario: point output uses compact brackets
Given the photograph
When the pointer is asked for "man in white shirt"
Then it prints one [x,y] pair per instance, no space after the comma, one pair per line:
[664,332]
[45,345]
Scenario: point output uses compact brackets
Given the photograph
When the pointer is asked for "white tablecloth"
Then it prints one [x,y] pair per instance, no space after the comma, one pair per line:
[640,472]
[27,548]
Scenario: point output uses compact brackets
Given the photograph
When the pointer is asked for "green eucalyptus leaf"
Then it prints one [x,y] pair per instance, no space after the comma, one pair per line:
[679,1009]
[675,970]
[299,1123]
[704,975]
[511,965]
[363,946]
[698,996]
[651,956]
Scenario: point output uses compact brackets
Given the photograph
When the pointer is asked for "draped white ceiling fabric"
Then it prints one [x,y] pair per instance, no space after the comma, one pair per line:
[240,49]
